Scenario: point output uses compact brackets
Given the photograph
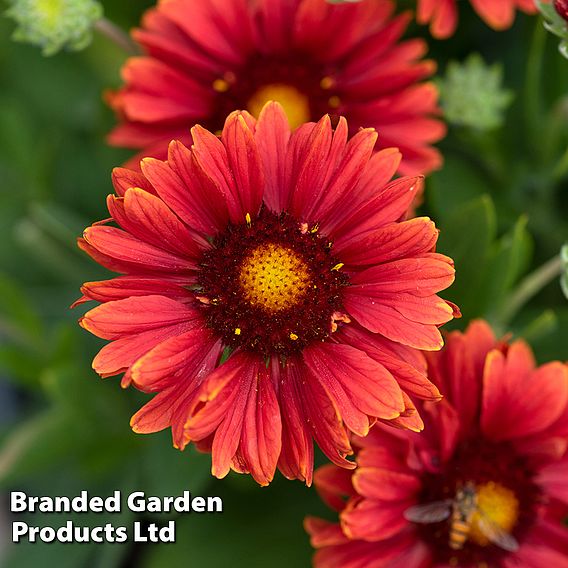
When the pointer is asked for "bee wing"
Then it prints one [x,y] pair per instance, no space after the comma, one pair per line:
[497,535]
[430,512]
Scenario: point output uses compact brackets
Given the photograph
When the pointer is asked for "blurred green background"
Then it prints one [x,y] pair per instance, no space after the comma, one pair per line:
[501,202]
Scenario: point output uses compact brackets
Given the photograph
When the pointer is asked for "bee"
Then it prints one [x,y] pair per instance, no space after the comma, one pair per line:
[461,510]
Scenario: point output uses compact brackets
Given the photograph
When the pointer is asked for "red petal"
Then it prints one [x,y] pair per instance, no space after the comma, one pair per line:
[333,485]
[297,456]
[134,254]
[200,201]
[238,404]
[261,437]
[391,242]
[118,356]
[211,157]
[351,163]
[244,161]
[322,416]
[121,318]
[124,179]
[406,365]
[323,533]
[272,135]
[126,286]
[358,385]
[157,414]
[374,520]
[149,219]
[554,480]
[187,357]
[384,484]
[387,205]
[310,167]
[514,406]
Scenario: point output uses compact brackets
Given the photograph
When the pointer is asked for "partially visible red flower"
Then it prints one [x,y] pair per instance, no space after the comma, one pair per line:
[442,15]
[207,58]
[289,252]
[501,432]
[561,6]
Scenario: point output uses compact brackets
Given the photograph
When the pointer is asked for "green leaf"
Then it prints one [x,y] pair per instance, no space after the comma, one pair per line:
[510,257]
[466,237]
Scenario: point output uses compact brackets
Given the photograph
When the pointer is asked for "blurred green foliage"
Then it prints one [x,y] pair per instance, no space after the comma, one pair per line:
[501,202]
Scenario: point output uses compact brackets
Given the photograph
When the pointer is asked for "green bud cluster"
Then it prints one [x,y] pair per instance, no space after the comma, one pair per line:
[472,94]
[54,25]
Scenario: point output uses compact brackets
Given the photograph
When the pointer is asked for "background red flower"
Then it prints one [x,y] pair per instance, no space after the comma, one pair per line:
[205,59]
[502,428]
[442,15]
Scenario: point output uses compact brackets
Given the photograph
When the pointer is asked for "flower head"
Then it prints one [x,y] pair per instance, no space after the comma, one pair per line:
[288,253]
[205,59]
[483,485]
[54,25]
[442,15]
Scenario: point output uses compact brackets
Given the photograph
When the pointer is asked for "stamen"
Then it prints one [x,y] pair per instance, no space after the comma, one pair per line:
[221,86]
[338,317]
[334,102]
[327,83]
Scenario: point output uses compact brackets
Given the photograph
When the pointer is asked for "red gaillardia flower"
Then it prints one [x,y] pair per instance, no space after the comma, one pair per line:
[290,252]
[485,484]
[207,58]
[442,15]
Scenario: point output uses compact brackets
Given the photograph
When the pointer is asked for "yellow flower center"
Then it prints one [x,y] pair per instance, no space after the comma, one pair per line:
[498,505]
[274,277]
[295,103]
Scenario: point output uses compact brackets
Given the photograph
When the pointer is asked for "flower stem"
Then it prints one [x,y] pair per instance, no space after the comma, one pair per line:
[530,286]
[533,100]
[118,36]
